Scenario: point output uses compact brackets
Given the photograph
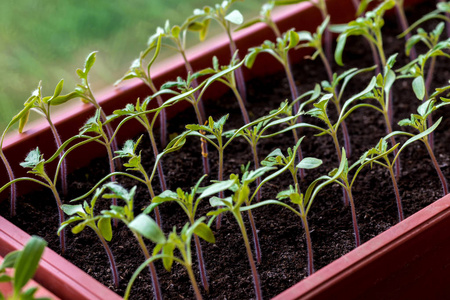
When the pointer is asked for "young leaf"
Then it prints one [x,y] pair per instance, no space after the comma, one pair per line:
[104,225]
[418,86]
[309,163]
[145,226]
[203,231]
[27,262]
[235,17]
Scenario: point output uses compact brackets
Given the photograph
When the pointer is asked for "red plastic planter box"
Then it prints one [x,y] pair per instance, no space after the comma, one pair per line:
[410,260]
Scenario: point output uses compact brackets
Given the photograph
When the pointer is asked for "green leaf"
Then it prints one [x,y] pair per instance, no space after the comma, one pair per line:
[309,163]
[176,31]
[33,159]
[203,231]
[293,39]
[147,227]
[9,260]
[217,187]
[90,60]
[72,209]
[28,261]
[421,135]
[418,86]
[58,88]
[235,17]
[167,195]
[79,228]
[104,225]
[168,250]
[4,278]
[23,120]
[340,48]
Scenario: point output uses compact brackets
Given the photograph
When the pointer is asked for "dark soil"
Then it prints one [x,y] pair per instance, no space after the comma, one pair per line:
[281,234]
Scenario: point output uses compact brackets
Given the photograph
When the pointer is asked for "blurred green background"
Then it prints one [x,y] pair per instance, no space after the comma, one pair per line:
[49,39]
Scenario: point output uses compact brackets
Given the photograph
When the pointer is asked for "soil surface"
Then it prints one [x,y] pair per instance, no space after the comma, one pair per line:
[282,238]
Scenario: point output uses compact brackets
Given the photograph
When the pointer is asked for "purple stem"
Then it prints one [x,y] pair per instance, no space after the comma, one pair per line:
[62,236]
[397,195]
[393,143]
[258,180]
[256,282]
[238,72]
[112,262]
[194,84]
[438,169]
[221,193]
[347,144]
[112,170]
[355,221]
[299,153]
[201,264]
[308,246]
[255,237]
[203,143]
[155,282]
[404,25]
[162,179]
[63,164]
[241,105]
[9,170]
[428,81]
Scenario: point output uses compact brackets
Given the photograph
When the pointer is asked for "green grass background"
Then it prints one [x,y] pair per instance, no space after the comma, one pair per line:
[49,39]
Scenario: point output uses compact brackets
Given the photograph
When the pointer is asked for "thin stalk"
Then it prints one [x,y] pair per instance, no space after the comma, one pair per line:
[355,4]
[299,153]
[152,195]
[190,70]
[436,166]
[63,164]
[12,209]
[339,154]
[256,282]
[109,130]
[238,72]
[308,246]
[430,74]
[198,295]
[241,104]
[448,17]
[327,66]
[159,167]
[162,114]
[62,236]
[292,87]
[155,282]
[201,264]
[404,25]
[256,162]
[381,50]
[220,178]
[204,145]
[347,144]
[112,262]
[327,36]
[355,221]
[393,143]
[112,171]
[376,59]
[255,237]
[397,194]
[345,134]
[428,81]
